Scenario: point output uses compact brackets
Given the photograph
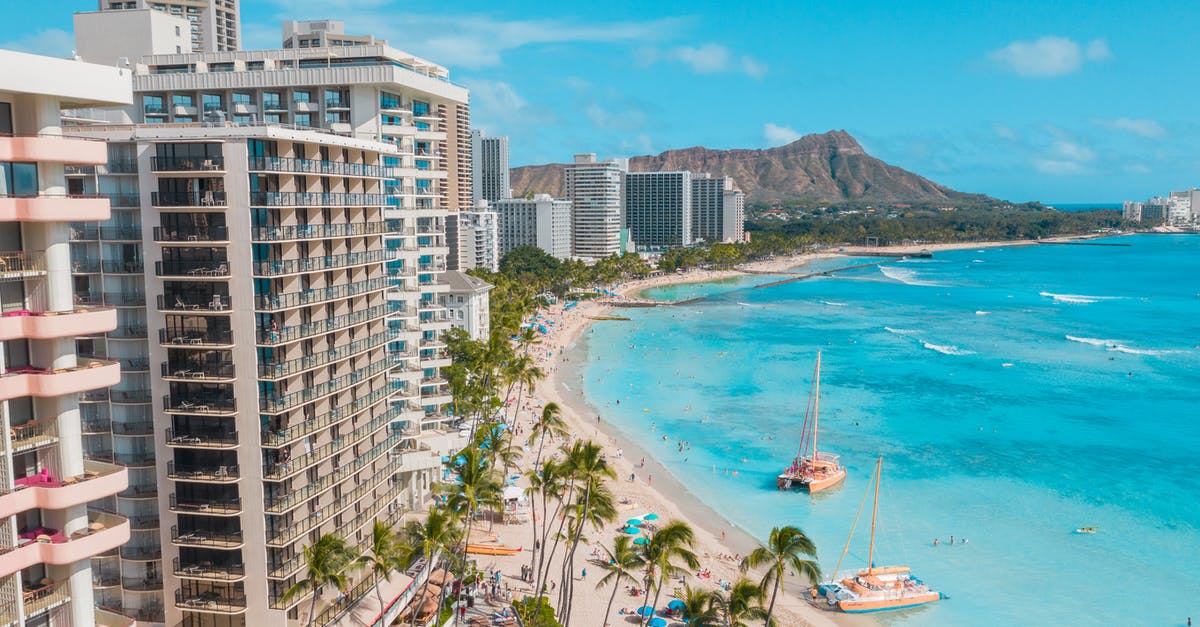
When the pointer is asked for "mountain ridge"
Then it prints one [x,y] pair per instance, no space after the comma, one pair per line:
[823,167]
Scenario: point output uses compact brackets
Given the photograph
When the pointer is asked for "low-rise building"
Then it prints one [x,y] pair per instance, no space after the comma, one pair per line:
[467,302]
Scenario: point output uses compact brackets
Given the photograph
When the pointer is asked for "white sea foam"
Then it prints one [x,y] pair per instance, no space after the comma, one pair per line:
[978,261]
[1077,299]
[832,303]
[1118,346]
[1094,341]
[900,332]
[982,312]
[947,349]
[906,276]
[1007,364]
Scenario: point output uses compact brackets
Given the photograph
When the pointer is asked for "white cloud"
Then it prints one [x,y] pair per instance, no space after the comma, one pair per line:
[52,42]
[753,68]
[777,135]
[707,58]
[1073,151]
[1048,56]
[496,101]
[1142,127]
[1138,168]
[1058,167]
[628,118]
[1004,132]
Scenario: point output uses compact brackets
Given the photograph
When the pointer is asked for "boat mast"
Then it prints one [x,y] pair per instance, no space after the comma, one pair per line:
[816,403]
[874,512]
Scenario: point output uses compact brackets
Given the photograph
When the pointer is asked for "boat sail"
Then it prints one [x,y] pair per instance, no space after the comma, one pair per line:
[876,588]
[812,470]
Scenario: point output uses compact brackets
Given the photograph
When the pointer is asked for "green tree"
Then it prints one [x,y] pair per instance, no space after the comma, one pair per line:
[786,548]
[438,532]
[619,564]
[743,603]
[664,550]
[701,608]
[387,553]
[326,563]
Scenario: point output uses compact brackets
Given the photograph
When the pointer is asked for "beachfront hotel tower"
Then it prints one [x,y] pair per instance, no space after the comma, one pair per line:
[279,250]
[48,532]
[540,221]
[718,209]
[212,25]
[489,159]
[658,209]
[597,207]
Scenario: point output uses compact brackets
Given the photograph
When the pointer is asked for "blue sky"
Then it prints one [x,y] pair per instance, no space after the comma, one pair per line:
[1067,101]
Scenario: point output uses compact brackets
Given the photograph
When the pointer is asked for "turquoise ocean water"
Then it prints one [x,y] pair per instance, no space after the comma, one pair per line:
[1015,395]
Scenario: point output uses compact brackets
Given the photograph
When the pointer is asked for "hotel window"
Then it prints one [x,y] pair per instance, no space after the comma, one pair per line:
[336,117]
[420,108]
[211,102]
[301,96]
[271,118]
[6,127]
[18,179]
[241,98]
[388,101]
[183,100]
[153,105]
[243,119]
[303,119]
[184,119]
[254,65]
[271,100]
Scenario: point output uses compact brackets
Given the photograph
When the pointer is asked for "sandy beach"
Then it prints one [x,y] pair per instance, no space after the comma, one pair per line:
[719,543]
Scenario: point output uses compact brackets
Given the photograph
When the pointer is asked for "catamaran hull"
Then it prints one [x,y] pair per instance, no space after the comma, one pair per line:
[785,482]
[851,606]
[477,549]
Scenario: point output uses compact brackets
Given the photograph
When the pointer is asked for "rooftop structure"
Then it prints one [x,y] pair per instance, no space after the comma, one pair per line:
[214,24]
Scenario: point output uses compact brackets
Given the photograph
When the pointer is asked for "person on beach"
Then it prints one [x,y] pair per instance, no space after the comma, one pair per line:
[649,479]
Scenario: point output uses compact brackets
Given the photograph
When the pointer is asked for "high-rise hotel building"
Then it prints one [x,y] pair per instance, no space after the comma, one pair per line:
[597,205]
[213,25]
[48,532]
[489,158]
[658,209]
[279,249]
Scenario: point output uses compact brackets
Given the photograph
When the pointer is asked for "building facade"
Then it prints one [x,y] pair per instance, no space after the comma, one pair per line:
[50,534]
[129,35]
[467,302]
[215,25]
[479,240]
[658,209]
[718,210]
[489,158]
[540,221]
[597,207]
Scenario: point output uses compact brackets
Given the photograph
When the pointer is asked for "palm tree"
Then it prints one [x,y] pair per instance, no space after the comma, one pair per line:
[525,374]
[550,423]
[438,532]
[743,603]
[621,564]
[479,488]
[549,482]
[662,552]
[786,549]
[590,469]
[701,608]
[387,553]
[327,562]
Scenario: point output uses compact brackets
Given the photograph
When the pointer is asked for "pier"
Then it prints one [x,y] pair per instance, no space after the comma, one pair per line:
[1084,244]
[801,277]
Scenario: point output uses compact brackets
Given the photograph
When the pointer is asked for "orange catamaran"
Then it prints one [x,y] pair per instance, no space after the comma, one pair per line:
[876,589]
[813,471]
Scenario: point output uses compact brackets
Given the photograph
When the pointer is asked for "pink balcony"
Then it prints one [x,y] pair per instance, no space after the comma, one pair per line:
[46,492]
[90,374]
[103,533]
[54,149]
[61,208]
[42,325]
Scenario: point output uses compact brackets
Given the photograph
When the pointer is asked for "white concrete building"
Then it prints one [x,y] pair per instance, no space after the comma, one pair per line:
[1132,210]
[489,159]
[1182,210]
[48,531]
[215,25]
[322,34]
[718,209]
[541,221]
[479,239]
[597,205]
[467,302]
[120,38]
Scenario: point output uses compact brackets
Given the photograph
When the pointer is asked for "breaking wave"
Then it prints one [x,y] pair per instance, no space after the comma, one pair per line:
[1076,299]
[906,276]
[946,349]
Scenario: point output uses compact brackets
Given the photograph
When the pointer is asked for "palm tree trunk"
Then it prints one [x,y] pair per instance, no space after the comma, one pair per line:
[312,609]
[554,549]
[662,580]
[587,501]
[379,593]
[771,607]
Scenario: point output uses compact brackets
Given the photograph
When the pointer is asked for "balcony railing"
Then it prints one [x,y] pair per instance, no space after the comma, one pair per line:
[141,553]
[194,505]
[187,164]
[139,427]
[274,302]
[202,405]
[131,396]
[314,199]
[211,601]
[307,362]
[19,264]
[118,233]
[317,264]
[311,166]
[316,231]
[192,269]
[206,537]
[124,200]
[111,299]
[290,334]
[195,438]
[179,303]
[135,459]
[198,472]
[200,371]
[189,199]
[290,498]
[207,234]
[143,584]
[212,337]
[282,403]
[208,570]
[280,437]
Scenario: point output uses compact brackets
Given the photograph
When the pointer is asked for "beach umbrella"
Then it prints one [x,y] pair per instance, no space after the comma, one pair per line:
[633,522]
[650,517]
[445,459]
[631,530]
[645,610]
[657,621]
[676,604]
[460,460]
[640,541]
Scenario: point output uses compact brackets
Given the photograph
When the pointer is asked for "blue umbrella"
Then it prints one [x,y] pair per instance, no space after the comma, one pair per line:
[631,530]
[445,459]
[633,522]
[650,517]
[657,621]
[676,604]
[460,460]
[645,610]
[641,541]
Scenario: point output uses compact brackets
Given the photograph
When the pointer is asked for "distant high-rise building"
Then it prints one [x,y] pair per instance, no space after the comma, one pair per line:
[1132,210]
[718,209]
[479,240]
[121,38]
[215,24]
[489,162]
[597,207]
[541,221]
[1181,208]
[54,543]
[658,209]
